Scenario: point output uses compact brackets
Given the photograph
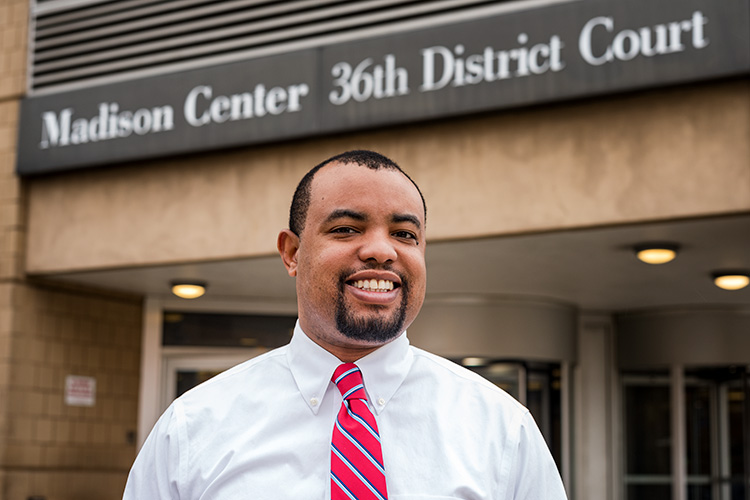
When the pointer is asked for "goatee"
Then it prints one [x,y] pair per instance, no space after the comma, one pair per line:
[380,329]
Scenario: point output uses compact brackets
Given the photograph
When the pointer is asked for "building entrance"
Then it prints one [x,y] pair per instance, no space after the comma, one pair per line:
[199,345]
[691,444]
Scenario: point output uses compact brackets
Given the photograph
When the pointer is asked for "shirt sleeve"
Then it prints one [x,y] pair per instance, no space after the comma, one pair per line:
[155,474]
[534,474]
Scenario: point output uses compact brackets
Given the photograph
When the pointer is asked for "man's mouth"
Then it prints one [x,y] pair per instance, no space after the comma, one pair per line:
[373,285]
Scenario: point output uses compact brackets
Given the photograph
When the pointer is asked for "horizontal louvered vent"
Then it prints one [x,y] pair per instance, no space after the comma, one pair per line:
[84,42]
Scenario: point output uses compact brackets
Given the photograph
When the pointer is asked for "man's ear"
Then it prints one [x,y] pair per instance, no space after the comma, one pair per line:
[288,245]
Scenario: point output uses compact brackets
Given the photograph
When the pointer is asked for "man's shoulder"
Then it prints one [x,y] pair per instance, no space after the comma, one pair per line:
[243,379]
[446,368]
[448,376]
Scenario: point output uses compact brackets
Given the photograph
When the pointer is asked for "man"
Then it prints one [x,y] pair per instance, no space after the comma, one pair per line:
[348,410]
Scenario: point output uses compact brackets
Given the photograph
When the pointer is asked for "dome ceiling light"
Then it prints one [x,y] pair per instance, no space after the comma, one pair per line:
[656,253]
[731,280]
[188,289]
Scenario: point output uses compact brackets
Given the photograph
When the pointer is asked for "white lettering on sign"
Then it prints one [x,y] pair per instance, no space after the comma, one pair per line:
[111,123]
[363,82]
[648,41]
[460,69]
[375,77]
[80,391]
[201,108]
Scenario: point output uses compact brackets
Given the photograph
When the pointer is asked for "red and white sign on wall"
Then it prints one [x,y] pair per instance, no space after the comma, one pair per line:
[80,391]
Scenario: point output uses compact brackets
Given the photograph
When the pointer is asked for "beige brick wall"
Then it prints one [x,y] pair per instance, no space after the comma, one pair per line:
[51,449]
[13,22]
[13,32]
[48,448]
[12,228]
[14,15]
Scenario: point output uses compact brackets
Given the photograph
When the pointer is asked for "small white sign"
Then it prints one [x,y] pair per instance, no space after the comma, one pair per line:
[80,391]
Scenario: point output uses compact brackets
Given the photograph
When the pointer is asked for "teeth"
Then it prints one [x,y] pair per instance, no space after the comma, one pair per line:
[374,285]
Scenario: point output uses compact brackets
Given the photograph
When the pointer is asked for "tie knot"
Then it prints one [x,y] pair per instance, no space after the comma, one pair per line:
[348,379]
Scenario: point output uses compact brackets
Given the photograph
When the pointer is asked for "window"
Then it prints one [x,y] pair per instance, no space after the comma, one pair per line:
[713,443]
[226,330]
[648,446]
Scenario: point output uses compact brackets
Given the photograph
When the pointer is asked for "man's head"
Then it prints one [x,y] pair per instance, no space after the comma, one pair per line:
[356,246]
[363,158]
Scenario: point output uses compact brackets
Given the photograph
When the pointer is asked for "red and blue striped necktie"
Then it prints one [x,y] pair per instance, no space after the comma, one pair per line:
[357,471]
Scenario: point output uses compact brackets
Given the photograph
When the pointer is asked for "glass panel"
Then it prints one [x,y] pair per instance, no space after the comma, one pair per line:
[699,492]
[738,490]
[716,391]
[543,399]
[647,430]
[737,439]
[649,492]
[736,397]
[187,379]
[226,330]
[698,414]
[505,375]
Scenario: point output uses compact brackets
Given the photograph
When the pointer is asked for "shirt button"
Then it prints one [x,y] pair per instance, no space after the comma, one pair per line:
[314,401]
[381,401]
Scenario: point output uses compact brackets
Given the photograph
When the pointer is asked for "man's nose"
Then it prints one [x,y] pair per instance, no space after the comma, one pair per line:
[378,246]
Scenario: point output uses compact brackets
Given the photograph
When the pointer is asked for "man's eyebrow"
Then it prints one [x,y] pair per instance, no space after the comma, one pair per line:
[413,219]
[345,213]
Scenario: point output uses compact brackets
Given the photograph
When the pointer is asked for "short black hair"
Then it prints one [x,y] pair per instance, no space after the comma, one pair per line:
[364,158]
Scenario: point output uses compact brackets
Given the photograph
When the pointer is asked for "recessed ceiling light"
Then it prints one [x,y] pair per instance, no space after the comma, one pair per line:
[656,253]
[188,289]
[731,280]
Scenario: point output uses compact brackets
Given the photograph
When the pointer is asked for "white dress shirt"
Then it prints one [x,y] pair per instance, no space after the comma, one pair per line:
[262,430]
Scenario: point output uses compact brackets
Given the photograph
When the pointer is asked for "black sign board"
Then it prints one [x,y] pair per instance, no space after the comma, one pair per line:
[543,54]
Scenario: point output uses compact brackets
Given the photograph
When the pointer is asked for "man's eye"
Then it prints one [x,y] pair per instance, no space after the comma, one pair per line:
[407,235]
[343,230]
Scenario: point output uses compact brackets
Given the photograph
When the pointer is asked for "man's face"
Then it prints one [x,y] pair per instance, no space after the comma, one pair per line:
[359,260]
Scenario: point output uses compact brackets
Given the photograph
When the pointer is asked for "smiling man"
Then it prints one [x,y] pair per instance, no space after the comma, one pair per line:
[356,246]
[348,410]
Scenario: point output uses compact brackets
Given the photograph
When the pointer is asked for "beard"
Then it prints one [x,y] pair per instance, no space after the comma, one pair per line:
[379,329]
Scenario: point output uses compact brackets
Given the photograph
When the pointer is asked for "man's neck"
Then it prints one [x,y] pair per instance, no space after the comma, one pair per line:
[346,350]
[347,354]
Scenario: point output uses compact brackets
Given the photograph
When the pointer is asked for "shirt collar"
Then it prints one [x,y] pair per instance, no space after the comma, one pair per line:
[383,370]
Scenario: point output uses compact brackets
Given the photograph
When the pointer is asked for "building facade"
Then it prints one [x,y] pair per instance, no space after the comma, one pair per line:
[146,143]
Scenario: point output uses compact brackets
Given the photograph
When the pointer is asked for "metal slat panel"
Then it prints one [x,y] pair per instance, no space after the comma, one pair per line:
[142,20]
[86,65]
[41,7]
[220,47]
[132,47]
[91,41]
[163,32]
[51,18]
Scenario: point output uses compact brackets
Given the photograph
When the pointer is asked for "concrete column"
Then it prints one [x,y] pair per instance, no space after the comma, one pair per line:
[593,397]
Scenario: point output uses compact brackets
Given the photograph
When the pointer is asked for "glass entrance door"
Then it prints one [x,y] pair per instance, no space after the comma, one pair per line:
[715,440]
[648,466]
[185,369]
[716,434]
[198,345]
